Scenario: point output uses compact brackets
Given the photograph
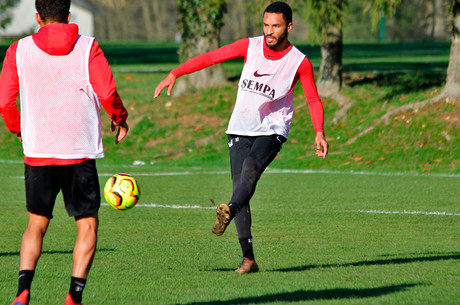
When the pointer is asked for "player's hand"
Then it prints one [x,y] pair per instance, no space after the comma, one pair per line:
[322,146]
[169,82]
[19,137]
[121,132]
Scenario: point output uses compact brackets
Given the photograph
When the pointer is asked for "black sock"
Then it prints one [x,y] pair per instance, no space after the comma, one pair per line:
[246,247]
[234,209]
[76,288]
[25,280]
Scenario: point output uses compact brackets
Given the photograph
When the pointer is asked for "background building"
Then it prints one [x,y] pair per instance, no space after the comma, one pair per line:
[23,19]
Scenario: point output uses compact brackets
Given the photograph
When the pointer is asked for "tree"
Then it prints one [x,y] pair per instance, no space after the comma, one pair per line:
[5,11]
[199,23]
[153,20]
[326,17]
[452,87]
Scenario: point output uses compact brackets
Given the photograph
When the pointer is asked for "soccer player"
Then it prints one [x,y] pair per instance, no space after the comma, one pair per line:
[63,78]
[260,122]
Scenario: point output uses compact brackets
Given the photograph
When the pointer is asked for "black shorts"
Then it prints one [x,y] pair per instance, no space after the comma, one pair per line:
[79,184]
[262,148]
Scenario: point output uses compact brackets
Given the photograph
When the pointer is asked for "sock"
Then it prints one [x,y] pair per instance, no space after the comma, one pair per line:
[76,288]
[234,209]
[25,280]
[246,247]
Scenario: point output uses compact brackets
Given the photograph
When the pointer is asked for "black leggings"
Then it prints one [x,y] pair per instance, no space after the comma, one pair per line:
[249,157]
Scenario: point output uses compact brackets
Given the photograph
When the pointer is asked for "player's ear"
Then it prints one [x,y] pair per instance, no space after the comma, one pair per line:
[68,18]
[38,18]
[290,26]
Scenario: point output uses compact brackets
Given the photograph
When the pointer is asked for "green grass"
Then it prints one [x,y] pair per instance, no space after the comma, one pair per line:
[188,130]
[311,241]
[172,130]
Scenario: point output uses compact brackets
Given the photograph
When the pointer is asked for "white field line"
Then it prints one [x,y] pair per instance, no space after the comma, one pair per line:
[290,171]
[174,206]
[309,171]
[281,171]
[185,173]
[268,171]
[12,161]
[410,213]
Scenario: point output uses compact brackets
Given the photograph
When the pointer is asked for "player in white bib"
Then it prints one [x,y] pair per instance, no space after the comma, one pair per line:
[262,115]
[64,80]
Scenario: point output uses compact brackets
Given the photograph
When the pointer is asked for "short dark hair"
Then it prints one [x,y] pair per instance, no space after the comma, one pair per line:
[55,10]
[280,7]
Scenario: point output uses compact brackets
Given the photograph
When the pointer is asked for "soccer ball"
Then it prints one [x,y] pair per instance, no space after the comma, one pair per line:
[121,191]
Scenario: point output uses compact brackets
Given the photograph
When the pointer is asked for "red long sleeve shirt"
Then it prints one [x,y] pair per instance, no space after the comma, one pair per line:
[239,49]
[58,39]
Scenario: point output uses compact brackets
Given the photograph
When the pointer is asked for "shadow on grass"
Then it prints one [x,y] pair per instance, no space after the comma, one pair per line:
[392,261]
[51,252]
[313,295]
[402,83]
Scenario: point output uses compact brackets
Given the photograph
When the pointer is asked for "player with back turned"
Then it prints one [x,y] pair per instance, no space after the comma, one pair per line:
[260,122]
[63,79]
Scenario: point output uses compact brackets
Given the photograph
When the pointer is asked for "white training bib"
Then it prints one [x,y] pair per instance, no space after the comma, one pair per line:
[60,113]
[265,92]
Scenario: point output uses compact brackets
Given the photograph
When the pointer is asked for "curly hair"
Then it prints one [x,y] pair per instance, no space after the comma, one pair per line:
[54,10]
[280,7]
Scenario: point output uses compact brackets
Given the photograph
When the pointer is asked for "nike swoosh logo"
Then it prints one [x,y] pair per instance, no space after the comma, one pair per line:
[256,74]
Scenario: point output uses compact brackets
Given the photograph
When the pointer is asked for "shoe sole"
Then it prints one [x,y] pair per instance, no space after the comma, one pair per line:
[222,219]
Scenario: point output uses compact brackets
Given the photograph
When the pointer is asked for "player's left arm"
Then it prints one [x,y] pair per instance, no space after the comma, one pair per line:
[307,80]
[103,83]
[9,91]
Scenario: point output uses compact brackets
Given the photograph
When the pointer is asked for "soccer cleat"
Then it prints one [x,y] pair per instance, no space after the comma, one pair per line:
[69,300]
[22,299]
[222,220]
[247,266]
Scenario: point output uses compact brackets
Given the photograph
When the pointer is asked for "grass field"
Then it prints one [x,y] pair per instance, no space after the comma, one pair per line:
[376,222]
[188,130]
[319,237]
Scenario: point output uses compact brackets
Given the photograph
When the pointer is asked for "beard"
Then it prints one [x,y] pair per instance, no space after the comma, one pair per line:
[279,40]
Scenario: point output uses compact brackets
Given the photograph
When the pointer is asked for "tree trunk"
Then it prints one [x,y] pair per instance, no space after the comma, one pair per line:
[452,87]
[330,73]
[147,15]
[200,24]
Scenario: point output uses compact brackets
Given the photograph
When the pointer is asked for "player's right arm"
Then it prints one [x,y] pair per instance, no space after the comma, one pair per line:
[227,52]
[9,91]
[103,83]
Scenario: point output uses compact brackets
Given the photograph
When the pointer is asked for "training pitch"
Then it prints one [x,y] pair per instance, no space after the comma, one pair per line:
[320,237]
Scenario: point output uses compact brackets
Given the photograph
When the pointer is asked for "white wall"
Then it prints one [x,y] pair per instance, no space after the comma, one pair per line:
[24,20]
[83,18]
